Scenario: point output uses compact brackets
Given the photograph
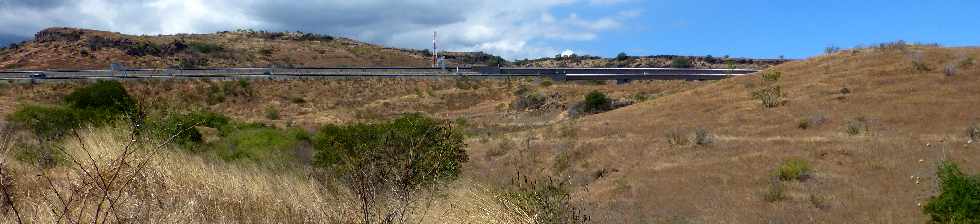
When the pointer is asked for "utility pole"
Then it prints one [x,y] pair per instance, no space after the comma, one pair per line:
[435,50]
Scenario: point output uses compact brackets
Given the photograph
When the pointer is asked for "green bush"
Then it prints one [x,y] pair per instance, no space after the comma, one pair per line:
[105,97]
[680,62]
[771,76]
[46,121]
[261,144]
[959,200]
[95,104]
[391,161]
[596,102]
[794,169]
[622,56]
[418,149]
[205,48]
[181,126]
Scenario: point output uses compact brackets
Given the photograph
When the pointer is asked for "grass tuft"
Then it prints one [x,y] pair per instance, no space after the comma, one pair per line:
[793,169]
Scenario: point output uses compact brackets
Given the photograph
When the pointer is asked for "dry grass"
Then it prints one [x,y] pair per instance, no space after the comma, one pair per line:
[178,188]
[915,118]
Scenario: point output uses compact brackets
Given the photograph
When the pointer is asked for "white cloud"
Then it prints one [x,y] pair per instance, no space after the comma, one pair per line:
[510,28]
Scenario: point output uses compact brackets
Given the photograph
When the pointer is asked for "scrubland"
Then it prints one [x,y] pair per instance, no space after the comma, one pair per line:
[855,136]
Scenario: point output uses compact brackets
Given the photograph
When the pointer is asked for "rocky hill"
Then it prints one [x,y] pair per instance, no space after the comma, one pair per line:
[70,48]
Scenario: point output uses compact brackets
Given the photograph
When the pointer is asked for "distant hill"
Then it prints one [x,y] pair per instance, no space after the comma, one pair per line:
[7,40]
[71,48]
[657,61]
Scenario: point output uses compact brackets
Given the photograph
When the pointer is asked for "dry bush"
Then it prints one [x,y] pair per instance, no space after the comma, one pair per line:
[949,70]
[769,96]
[676,137]
[973,132]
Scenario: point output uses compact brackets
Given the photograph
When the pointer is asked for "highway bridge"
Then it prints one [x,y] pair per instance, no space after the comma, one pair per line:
[559,74]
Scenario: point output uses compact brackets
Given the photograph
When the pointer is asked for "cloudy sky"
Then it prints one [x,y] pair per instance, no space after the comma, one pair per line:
[533,28]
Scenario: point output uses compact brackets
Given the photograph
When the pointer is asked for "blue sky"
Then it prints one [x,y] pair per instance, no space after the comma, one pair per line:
[519,29]
[795,29]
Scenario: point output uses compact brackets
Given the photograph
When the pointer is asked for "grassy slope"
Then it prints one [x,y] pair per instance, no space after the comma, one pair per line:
[863,179]
[621,164]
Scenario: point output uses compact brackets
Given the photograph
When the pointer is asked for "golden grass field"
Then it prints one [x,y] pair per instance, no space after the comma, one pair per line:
[625,165]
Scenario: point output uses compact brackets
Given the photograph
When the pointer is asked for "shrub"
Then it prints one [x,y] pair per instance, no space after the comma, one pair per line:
[959,198]
[192,62]
[256,143]
[973,132]
[272,113]
[181,126]
[426,145]
[46,121]
[857,126]
[297,100]
[676,137]
[949,70]
[205,48]
[104,96]
[529,101]
[812,121]
[680,62]
[769,96]
[596,102]
[918,63]
[622,56]
[967,62]
[391,161]
[96,104]
[819,202]
[702,137]
[545,201]
[775,192]
[266,51]
[794,169]
[143,49]
[546,83]
[771,76]
[640,97]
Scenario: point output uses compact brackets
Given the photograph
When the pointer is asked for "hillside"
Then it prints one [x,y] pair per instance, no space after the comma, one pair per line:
[871,123]
[70,48]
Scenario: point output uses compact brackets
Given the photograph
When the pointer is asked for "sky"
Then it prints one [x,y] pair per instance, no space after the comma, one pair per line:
[518,29]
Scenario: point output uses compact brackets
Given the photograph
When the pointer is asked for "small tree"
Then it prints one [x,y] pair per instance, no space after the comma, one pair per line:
[107,96]
[622,56]
[386,164]
[959,200]
[596,102]
[680,62]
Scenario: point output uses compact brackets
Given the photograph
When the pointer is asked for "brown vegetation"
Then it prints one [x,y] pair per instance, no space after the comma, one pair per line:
[699,152]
